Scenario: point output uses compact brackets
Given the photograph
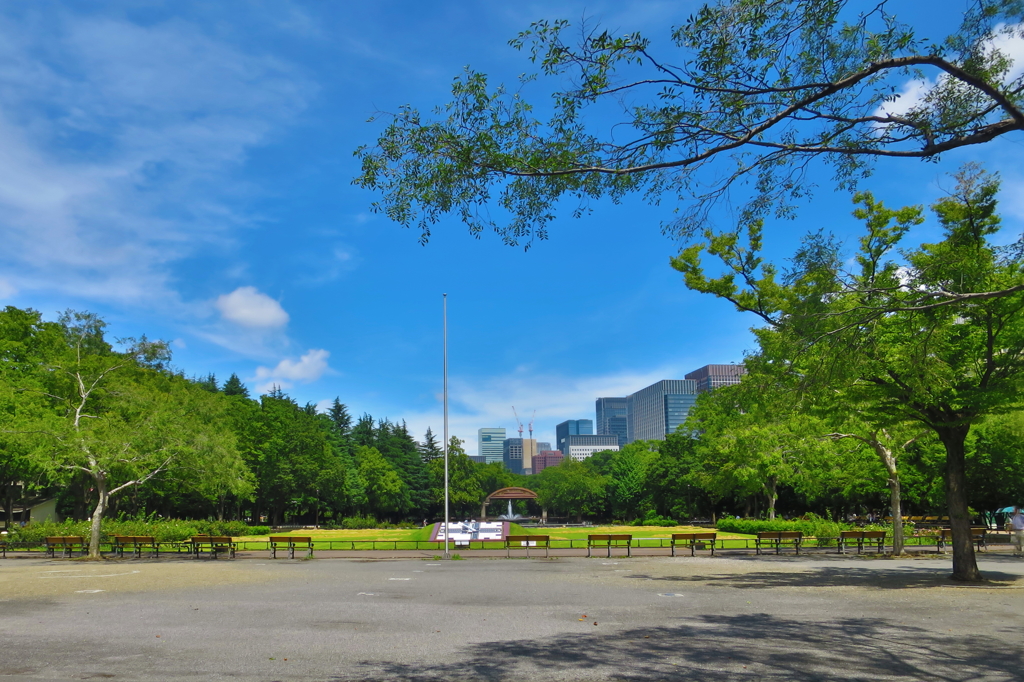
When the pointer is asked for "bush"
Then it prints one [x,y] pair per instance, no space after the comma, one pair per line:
[164,530]
[359,522]
[653,519]
[825,530]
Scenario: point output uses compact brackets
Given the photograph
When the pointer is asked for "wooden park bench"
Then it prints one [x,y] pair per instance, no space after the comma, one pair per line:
[862,538]
[214,544]
[694,541]
[290,542]
[946,536]
[609,541]
[778,538]
[525,542]
[66,543]
[137,543]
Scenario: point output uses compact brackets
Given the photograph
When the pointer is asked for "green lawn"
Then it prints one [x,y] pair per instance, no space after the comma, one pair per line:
[635,531]
[361,539]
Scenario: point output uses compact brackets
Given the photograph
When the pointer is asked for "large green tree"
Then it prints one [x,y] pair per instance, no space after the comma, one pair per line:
[751,90]
[894,341]
[121,418]
[573,488]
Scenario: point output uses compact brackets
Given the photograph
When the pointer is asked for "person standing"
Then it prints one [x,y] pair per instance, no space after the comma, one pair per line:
[1017,528]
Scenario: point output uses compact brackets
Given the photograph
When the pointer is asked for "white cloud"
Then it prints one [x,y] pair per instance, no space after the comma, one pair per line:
[7,290]
[250,308]
[118,140]
[310,367]
[1009,40]
[474,404]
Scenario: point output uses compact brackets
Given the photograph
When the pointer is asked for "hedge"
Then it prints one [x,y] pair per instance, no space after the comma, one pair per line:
[164,530]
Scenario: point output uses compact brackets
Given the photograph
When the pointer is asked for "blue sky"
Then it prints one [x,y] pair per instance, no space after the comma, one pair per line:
[184,169]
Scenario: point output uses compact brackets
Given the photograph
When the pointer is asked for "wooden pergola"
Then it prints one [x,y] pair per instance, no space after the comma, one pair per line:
[513,493]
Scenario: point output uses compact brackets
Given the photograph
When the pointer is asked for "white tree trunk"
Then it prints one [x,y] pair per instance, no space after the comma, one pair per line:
[97,517]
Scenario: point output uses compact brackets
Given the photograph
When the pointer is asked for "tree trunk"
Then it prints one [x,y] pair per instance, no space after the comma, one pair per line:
[895,502]
[771,491]
[965,564]
[8,508]
[97,517]
[895,508]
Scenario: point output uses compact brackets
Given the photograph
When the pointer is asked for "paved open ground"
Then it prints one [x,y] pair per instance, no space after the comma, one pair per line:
[645,618]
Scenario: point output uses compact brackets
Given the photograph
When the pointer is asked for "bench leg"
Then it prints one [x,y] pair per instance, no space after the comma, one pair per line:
[673,546]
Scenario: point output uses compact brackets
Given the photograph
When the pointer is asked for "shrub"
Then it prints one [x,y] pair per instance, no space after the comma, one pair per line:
[653,519]
[825,530]
[164,530]
[359,522]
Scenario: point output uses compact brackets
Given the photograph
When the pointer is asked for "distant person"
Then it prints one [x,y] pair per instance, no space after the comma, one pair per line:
[1017,527]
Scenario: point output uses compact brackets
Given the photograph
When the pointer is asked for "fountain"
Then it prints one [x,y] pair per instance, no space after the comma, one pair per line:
[510,516]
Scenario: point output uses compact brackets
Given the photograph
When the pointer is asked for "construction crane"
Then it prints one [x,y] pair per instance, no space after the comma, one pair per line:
[518,422]
[531,422]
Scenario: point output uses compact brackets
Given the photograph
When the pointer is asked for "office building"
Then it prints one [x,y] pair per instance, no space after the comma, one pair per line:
[479,459]
[545,459]
[710,377]
[518,455]
[572,427]
[542,446]
[611,418]
[582,446]
[655,411]
[490,444]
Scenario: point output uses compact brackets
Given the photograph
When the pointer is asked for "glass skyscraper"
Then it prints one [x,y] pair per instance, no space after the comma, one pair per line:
[710,377]
[491,444]
[572,427]
[655,411]
[611,418]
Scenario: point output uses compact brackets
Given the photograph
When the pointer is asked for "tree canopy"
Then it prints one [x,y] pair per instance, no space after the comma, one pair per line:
[759,89]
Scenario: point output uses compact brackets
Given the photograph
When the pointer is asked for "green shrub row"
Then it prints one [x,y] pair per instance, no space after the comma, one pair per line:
[164,530]
[653,519]
[366,522]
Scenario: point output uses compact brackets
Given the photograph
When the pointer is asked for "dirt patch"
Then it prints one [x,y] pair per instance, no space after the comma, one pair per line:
[50,579]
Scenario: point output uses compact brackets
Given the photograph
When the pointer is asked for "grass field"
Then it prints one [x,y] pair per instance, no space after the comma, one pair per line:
[358,536]
[635,531]
[407,539]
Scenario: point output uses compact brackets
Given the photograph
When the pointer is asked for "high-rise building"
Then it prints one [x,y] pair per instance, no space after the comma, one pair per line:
[655,411]
[518,455]
[710,377]
[584,445]
[542,446]
[545,459]
[572,427]
[490,444]
[611,418]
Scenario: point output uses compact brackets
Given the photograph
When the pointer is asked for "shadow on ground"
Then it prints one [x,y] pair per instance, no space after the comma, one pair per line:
[718,648]
[842,576]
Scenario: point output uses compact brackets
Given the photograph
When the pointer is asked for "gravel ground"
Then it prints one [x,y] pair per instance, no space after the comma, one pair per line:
[644,618]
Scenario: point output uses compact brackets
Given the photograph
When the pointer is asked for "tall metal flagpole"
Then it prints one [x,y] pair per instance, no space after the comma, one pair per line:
[446,517]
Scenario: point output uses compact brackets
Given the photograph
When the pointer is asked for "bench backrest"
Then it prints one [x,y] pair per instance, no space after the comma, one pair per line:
[694,536]
[201,538]
[620,538]
[598,538]
[301,538]
[854,534]
[284,539]
[527,538]
[780,535]
[220,538]
[873,534]
[65,540]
